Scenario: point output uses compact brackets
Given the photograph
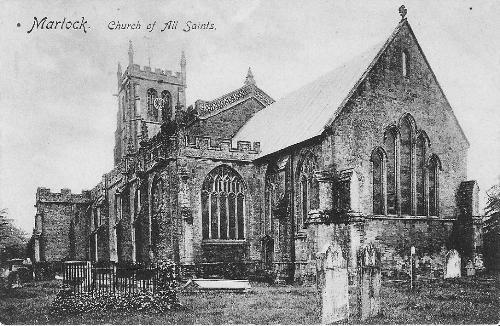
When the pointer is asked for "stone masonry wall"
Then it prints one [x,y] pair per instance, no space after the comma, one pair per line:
[381,101]
[58,210]
[197,170]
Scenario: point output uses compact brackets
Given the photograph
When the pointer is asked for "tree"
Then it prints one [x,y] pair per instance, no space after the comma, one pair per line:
[12,239]
[493,204]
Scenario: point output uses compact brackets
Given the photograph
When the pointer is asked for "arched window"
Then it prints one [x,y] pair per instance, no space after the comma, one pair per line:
[420,154]
[166,112]
[390,149]
[223,204]
[406,166]
[434,167]
[405,63]
[309,189]
[378,163]
[152,110]
[271,198]
[156,197]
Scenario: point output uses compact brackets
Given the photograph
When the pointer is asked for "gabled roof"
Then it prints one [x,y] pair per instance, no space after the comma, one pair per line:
[207,109]
[306,112]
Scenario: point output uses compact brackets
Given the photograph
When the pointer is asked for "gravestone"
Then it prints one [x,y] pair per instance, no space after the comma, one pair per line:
[369,281]
[217,285]
[332,283]
[470,268]
[452,264]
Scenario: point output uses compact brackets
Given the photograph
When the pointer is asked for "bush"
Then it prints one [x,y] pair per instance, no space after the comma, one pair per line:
[68,303]
[164,298]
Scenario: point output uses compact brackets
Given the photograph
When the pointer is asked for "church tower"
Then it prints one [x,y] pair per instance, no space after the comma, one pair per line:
[145,98]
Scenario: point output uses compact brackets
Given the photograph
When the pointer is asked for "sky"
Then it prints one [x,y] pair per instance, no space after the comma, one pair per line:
[58,111]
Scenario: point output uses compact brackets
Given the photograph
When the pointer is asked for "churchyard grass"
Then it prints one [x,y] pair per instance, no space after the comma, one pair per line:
[458,301]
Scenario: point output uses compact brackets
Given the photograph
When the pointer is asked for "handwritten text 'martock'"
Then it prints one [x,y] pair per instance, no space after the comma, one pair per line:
[59,24]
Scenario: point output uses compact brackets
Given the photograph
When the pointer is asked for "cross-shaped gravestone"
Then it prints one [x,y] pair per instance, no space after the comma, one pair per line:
[331,269]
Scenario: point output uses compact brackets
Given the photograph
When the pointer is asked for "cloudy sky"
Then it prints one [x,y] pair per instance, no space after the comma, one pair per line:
[57,109]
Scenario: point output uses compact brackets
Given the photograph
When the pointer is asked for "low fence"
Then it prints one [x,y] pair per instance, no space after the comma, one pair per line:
[111,277]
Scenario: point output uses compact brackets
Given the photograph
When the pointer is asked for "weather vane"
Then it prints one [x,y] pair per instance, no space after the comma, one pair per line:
[402,11]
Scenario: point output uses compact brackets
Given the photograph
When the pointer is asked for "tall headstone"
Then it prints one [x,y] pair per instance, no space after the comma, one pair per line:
[452,265]
[369,281]
[332,282]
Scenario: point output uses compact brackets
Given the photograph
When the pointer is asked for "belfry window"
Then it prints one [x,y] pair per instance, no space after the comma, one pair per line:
[166,112]
[152,110]
[223,205]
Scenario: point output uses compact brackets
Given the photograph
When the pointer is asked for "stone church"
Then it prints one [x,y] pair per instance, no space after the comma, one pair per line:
[371,152]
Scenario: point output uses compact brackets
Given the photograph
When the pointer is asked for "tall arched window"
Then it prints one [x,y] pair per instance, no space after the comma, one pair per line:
[434,167]
[156,197]
[421,148]
[390,149]
[166,112]
[271,198]
[378,163]
[152,110]
[223,204]
[406,167]
[309,189]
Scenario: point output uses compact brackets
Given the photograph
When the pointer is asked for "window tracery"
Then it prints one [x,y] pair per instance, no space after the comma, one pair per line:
[223,205]
[308,189]
[403,183]
[152,110]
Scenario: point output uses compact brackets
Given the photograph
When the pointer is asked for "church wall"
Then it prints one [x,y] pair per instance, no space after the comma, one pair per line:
[57,211]
[395,238]
[169,232]
[379,102]
[79,236]
[113,254]
[225,124]
[197,170]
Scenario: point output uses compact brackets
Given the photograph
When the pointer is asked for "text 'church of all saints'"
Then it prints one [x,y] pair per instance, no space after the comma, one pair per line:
[371,152]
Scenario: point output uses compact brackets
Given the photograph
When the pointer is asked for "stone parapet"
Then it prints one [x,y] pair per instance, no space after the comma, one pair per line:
[46,196]
[204,147]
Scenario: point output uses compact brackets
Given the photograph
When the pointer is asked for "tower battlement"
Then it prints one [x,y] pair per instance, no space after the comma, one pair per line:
[65,196]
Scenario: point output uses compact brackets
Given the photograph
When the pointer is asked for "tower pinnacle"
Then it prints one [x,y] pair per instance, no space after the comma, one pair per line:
[183,67]
[249,79]
[183,58]
[130,53]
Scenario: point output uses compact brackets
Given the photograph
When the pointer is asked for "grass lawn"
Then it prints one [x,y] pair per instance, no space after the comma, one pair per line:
[462,301]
